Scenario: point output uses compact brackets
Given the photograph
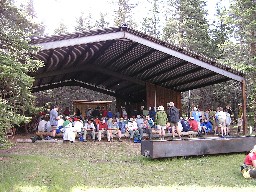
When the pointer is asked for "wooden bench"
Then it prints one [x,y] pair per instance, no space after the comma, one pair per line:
[155,134]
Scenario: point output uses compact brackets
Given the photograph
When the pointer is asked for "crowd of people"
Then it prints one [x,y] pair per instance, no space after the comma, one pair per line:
[98,122]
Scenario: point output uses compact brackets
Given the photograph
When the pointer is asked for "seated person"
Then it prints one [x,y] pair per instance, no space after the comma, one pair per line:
[140,122]
[206,126]
[60,124]
[193,124]
[122,125]
[41,126]
[78,125]
[69,132]
[185,124]
[147,126]
[89,126]
[132,127]
[102,126]
[248,169]
[113,129]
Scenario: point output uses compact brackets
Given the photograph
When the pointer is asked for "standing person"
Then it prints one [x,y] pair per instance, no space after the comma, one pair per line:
[228,122]
[152,113]
[161,121]
[240,118]
[222,121]
[196,114]
[54,117]
[174,119]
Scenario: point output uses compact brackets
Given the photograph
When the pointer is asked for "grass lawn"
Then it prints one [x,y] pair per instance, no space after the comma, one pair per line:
[103,166]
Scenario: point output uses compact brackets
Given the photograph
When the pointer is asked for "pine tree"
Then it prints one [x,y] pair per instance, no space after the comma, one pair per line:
[151,23]
[191,26]
[61,29]
[123,13]
[85,22]
[102,23]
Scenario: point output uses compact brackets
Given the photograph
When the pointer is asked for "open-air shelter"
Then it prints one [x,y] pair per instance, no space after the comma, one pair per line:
[135,68]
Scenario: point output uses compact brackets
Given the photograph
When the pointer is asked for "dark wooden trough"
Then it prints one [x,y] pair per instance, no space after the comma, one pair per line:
[196,146]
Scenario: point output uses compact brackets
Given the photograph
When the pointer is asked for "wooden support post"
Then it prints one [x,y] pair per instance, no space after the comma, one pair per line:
[244,107]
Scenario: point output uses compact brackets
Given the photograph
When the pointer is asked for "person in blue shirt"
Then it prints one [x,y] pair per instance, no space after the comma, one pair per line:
[207,126]
[185,124]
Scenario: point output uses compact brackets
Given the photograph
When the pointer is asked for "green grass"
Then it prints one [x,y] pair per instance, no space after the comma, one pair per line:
[114,166]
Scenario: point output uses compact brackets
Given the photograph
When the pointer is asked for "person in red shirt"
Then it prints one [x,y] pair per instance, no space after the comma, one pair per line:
[248,169]
[193,124]
[102,127]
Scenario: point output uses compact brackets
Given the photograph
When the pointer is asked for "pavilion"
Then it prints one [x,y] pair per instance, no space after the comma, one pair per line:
[137,69]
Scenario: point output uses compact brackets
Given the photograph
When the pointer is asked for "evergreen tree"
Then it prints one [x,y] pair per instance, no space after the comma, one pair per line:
[123,13]
[191,25]
[102,23]
[240,51]
[61,29]
[15,64]
[151,24]
[85,23]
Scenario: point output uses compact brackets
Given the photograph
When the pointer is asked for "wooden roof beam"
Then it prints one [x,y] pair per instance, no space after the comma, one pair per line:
[183,56]
[90,68]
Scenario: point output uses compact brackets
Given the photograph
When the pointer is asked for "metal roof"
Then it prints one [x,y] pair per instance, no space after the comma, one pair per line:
[120,61]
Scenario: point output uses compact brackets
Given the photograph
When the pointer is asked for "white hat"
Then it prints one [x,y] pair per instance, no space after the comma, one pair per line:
[254,149]
[171,104]
[191,117]
[195,108]
[161,108]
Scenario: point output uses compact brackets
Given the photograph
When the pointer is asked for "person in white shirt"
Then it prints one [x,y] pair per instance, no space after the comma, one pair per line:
[78,125]
[222,121]
[132,127]
[41,125]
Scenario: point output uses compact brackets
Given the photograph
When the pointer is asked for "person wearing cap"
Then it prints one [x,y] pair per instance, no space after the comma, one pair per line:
[132,127]
[248,169]
[193,124]
[161,121]
[174,120]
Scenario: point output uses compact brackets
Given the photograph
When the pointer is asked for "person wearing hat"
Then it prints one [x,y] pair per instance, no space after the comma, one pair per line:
[174,118]
[248,169]
[161,121]
[132,127]
[193,124]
